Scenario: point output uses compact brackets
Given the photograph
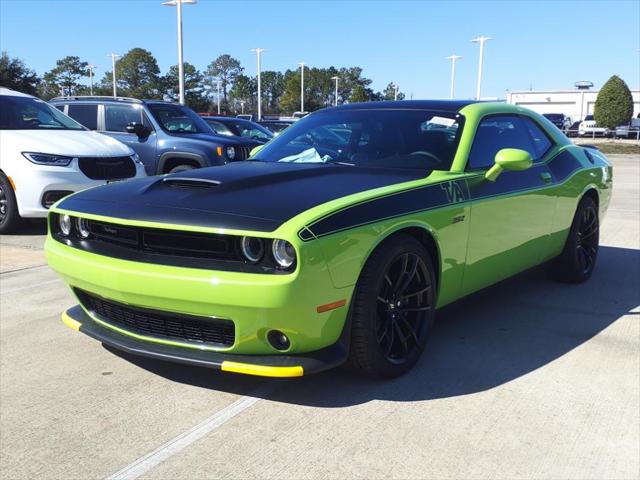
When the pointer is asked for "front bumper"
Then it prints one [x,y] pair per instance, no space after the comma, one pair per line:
[260,365]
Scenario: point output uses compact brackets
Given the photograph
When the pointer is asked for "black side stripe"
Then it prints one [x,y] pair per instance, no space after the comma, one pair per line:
[441,194]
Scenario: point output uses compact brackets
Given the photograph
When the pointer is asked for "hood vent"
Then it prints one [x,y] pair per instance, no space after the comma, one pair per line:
[186,182]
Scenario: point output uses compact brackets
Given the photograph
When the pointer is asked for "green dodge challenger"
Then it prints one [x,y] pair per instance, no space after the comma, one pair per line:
[335,242]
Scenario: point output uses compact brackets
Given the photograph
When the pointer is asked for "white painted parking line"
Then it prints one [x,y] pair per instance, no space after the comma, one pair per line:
[27,287]
[179,443]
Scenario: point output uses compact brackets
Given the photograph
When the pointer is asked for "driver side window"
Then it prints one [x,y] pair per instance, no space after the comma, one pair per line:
[495,133]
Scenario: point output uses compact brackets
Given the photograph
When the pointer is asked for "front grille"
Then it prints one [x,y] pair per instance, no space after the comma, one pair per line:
[107,168]
[165,325]
[167,242]
[243,153]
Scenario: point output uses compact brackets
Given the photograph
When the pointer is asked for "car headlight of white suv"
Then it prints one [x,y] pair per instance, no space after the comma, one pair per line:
[48,159]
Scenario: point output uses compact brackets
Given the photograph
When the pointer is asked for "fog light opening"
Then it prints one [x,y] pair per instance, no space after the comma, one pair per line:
[278,340]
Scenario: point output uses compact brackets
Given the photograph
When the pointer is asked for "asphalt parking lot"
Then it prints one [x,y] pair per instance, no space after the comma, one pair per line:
[528,379]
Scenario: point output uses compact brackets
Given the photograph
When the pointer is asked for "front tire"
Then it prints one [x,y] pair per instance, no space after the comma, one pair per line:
[9,216]
[182,168]
[578,258]
[393,308]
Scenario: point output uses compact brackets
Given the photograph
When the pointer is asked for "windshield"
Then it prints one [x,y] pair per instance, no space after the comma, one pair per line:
[27,113]
[250,130]
[415,139]
[218,127]
[178,119]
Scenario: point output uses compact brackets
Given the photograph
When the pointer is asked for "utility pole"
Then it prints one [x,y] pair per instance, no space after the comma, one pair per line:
[113,71]
[395,93]
[219,82]
[258,53]
[453,59]
[481,39]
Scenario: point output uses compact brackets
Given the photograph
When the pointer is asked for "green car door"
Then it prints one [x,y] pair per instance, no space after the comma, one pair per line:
[511,216]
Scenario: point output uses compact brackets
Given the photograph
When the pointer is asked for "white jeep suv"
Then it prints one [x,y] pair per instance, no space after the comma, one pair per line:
[45,155]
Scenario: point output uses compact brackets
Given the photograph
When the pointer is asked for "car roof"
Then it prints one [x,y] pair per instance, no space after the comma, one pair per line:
[228,119]
[13,93]
[441,105]
[107,98]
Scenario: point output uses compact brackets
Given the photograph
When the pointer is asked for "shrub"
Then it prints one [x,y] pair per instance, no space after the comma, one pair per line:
[614,105]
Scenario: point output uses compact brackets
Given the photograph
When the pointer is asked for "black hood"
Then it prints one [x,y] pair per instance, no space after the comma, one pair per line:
[257,196]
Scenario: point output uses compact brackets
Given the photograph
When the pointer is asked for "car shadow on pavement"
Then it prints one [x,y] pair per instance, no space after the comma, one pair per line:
[486,340]
[30,226]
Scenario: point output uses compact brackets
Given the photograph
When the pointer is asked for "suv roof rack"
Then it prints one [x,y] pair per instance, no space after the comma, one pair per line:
[97,97]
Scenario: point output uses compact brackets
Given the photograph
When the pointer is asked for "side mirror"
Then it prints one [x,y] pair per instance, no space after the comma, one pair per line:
[510,159]
[139,129]
[255,150]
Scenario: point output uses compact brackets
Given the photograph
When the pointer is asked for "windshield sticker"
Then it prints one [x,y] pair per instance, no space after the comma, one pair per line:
[445,122]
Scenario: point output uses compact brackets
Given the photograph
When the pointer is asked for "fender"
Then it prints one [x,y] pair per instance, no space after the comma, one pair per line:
[185,155]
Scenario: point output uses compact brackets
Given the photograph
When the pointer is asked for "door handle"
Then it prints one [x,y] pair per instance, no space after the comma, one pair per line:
[546,177]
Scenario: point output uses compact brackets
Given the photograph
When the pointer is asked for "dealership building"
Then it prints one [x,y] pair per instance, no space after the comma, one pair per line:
[576,103]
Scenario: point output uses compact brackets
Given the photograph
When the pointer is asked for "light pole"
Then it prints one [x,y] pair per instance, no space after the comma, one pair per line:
[91,67]
[219,82]
[395,93]
[453,59]
[113,71]
[481,39]
[241,106]
[178,3]
[336,78]
[301,86]
[258,53]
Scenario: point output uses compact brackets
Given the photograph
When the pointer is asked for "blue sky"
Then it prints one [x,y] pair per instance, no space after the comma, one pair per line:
[543,44]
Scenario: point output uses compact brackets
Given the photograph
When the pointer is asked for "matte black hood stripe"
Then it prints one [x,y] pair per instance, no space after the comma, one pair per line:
[256,196]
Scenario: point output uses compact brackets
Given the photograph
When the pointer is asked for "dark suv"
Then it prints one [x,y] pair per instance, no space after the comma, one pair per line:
[167,136]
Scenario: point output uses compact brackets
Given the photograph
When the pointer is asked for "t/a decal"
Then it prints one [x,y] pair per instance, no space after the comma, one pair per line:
[455,192]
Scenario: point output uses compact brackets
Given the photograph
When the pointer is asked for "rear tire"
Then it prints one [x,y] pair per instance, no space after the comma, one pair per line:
[393,309]
[578,258]
[9,216]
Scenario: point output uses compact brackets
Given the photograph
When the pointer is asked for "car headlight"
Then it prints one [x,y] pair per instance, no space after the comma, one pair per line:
[231,153]
[48,159]
[252,248]
[83,227]
[64,221]
[283,253]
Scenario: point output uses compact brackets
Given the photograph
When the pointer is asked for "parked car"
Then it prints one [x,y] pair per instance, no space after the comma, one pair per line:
[310,255]
[238,127]
[573,130]
[560,120]
[629,131]
[245,116]
[276,126]
[167,136]
[588,128]
[45,155]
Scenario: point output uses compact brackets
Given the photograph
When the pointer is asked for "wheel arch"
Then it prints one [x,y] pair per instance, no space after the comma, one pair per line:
[422,232]
[169,160]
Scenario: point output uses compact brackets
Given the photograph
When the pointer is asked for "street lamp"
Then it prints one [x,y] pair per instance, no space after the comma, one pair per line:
[91,67]
[113,71]
[481,39]
[453,59]
[301,86]
[178,3]
[258,53]
[336,78]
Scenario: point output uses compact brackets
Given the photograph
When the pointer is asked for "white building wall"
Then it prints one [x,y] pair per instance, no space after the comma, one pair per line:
[576,104]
